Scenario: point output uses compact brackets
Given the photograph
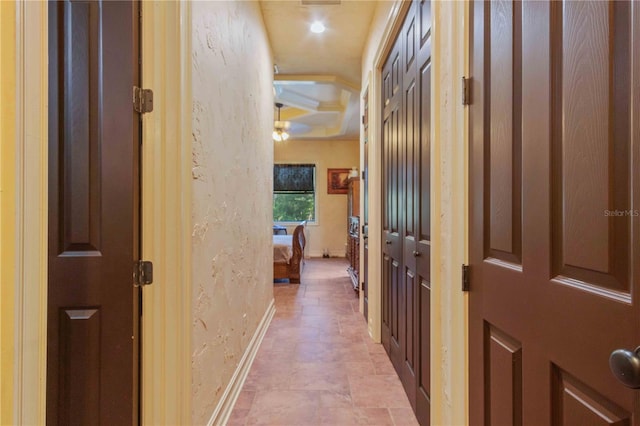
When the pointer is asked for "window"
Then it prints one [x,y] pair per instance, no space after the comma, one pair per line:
[294,192]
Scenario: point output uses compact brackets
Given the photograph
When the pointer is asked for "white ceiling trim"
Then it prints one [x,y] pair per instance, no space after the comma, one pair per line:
[296,100]
[314,79]
[327,109]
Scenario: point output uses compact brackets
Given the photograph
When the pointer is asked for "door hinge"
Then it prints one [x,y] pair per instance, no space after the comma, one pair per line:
[142,273]
[142,100]
[363,120]
[465,278]
[466,91]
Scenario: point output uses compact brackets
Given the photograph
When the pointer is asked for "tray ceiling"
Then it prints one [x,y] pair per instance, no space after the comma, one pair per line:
[319,75]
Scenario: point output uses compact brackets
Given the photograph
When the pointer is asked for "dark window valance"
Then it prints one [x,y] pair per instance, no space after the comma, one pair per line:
[294,178]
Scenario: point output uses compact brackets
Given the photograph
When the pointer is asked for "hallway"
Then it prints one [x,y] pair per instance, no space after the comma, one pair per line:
[317,364]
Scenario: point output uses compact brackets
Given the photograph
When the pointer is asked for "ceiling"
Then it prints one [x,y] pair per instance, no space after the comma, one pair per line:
[318,78]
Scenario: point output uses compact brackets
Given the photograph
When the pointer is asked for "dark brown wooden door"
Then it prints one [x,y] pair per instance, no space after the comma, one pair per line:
[365,207]
[554,227]
[406,177]
[422,215]
[409,142]
[92,349]
[392,242]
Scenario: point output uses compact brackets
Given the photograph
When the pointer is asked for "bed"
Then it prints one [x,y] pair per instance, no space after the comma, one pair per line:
[288,255]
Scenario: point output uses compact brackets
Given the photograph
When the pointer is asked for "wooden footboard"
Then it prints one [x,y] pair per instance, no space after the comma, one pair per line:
[297,260]
[280,271]
[293,269]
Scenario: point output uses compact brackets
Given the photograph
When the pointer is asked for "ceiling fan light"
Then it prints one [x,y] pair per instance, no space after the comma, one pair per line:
[317,27]
[279,133]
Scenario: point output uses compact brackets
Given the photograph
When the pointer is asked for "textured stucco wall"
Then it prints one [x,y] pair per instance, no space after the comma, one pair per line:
[232,191]
[330,230]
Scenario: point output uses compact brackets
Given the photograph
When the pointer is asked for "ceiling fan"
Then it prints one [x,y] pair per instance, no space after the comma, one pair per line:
[280,127]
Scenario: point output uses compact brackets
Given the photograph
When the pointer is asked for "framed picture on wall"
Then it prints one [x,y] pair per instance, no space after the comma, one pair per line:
[337,181]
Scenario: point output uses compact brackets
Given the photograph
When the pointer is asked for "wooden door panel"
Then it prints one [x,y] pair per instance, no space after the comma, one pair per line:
[553,211]
[396,71]
[424,160]
[574,403]
[410,159]
[92,336]
[396,301]
[423,368]
[80,196]
[386,185]
[409,322]
[395,173]
[396,310]
[386,302]
[409,41]
[591,134]
[386,87]
[503,364]
[424,12]
[584,183]
[505,131]
[80,360]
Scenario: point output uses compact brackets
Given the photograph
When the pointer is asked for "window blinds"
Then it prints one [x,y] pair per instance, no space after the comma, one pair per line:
[294,178]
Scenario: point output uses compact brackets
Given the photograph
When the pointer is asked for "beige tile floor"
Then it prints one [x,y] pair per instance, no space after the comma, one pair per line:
[317,364]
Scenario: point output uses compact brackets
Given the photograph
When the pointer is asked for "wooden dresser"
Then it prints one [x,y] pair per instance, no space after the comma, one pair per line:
[353,231]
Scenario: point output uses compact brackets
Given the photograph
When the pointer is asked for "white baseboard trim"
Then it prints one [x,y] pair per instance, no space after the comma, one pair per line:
[332,253]
[222,412]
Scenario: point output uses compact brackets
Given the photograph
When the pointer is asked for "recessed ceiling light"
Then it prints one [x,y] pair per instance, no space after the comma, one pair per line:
[317,27]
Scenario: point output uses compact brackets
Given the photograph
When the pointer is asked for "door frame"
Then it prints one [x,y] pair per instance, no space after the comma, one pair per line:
[166,213]
[449,213]
[31,210]
[166,203]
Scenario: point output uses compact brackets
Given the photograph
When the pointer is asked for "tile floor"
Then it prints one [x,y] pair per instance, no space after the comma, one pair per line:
[317,364]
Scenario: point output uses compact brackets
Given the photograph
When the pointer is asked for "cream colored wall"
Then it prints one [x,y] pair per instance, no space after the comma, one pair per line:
[330,229]
[232,175]
[7,206]
[449,365]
